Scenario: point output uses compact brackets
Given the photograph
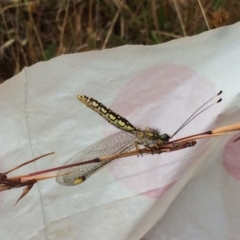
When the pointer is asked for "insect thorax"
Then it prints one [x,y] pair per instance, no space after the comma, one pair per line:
[150,137]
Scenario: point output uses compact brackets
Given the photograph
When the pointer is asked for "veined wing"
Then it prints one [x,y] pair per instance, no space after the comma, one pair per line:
[115,144]
[108,114]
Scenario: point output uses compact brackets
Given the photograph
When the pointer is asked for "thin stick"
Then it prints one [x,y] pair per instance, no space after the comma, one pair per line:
[204,15]
[180,18]
[23,164]
[102,159]
[232,127]
[168,147]
[111,28]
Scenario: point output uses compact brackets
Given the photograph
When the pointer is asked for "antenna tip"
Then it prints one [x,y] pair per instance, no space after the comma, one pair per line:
[219,100]
[220,93]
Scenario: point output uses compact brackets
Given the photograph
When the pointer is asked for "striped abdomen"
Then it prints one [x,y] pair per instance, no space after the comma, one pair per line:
[107,113]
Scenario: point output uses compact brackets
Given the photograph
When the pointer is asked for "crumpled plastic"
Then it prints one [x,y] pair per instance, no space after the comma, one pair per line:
[188,194]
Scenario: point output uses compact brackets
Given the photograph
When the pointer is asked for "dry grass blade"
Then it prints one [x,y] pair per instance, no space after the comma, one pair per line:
[33,31]
[111,28]
[204,14]
[180,18]
[25,191]
[30,161]
[226,129]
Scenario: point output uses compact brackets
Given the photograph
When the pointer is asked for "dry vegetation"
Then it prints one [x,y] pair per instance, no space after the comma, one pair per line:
[37,30]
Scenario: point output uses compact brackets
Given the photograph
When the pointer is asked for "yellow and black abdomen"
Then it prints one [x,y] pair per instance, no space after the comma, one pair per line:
[107,113]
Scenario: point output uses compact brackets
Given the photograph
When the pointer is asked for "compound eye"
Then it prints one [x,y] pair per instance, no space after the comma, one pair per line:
[164,137]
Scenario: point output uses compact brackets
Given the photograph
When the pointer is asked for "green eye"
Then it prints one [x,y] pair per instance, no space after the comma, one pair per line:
[164,137]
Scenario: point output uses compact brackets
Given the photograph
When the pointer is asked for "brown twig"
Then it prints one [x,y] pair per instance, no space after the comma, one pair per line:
[29,180]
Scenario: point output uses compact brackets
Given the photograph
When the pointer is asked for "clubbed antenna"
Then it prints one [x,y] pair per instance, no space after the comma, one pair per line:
[198,111]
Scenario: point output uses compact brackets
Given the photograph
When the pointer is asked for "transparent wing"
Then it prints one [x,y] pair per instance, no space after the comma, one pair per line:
[114,144]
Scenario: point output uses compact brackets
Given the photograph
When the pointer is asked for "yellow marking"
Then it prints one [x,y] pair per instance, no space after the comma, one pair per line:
[104,110]
[129,128]
[125,128]
[106,113]
[140,134]
[121,123]
[112,117]
[78,181]
[159,142]
[95,104]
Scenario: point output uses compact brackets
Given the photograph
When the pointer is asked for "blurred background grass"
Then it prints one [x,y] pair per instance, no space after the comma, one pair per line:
[38,30]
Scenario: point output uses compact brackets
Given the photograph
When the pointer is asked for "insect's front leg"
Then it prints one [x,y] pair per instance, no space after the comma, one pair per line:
[150,148]
[138,148]
[163,147]
[156,147]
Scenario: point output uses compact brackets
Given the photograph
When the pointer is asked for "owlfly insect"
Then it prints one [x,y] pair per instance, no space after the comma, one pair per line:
[118,145]
[89,161]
